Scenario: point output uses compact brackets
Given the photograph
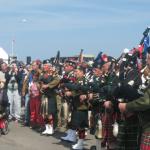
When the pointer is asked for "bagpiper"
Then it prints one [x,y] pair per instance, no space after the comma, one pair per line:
[49,81]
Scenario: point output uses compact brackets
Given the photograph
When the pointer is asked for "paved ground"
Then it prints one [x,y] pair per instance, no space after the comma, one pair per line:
[24,138]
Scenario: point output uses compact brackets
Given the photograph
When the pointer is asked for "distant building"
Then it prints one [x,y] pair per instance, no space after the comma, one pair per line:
[86,58]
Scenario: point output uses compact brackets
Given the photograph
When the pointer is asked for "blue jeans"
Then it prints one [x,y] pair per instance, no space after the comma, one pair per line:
[27,109]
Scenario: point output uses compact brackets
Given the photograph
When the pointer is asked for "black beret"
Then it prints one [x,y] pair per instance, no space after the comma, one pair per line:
[47,61]
[70,63]
[81,68]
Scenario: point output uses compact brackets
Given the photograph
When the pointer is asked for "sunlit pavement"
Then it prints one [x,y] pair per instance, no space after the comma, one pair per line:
[24,138]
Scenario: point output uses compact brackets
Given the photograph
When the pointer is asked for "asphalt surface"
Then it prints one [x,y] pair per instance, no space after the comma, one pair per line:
[24,138]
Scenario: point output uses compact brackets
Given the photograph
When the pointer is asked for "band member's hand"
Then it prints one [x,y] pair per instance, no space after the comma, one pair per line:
[68,93]
[44,86]
[107,104]
[82,98]
[90,96]
[66,89]
[122,107]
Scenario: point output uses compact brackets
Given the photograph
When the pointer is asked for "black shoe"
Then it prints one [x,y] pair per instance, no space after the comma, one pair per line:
[26,124]
[93,148]
[40,129]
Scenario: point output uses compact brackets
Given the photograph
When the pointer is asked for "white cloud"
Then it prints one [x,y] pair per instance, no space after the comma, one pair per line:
[45,16]
[44,20]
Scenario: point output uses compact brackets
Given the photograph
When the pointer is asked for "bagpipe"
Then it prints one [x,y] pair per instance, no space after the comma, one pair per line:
[90,88]
[145,43]
[127,89]
[61,90]
[45,79]
[145,33]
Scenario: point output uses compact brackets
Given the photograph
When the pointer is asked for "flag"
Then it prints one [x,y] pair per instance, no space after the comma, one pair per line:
[145,33]
[146,43]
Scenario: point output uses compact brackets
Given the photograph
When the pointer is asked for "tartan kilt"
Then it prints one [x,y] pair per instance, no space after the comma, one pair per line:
[79,119]
[48,106]
[145,141]
[128,134]
[107,127]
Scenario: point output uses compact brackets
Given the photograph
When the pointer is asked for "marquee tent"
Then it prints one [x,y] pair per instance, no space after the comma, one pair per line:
[3,54]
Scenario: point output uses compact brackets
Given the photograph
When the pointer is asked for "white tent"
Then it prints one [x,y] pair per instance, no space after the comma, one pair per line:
[3,54]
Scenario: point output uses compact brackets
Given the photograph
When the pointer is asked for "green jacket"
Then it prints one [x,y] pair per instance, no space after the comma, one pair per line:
[52,85]
[142,106]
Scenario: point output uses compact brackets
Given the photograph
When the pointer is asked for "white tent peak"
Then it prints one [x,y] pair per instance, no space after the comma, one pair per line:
[3,54]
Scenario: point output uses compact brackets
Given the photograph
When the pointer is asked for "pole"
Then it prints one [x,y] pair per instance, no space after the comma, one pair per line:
[12,48]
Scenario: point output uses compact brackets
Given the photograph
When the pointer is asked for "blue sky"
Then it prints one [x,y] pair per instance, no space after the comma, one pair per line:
[42,27]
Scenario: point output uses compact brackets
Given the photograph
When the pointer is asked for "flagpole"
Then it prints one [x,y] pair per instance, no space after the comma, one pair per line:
[12,48]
